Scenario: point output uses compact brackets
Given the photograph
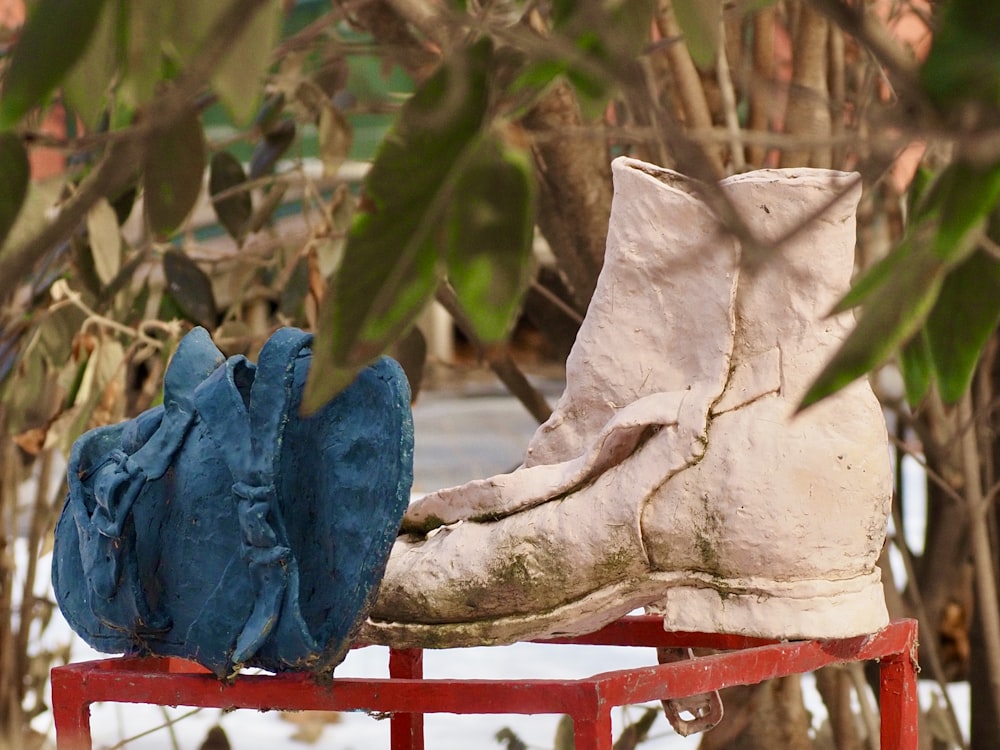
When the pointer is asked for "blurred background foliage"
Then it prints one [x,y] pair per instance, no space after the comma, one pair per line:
[348,166]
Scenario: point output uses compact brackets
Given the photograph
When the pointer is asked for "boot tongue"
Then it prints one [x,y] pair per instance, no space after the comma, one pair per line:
[196,358]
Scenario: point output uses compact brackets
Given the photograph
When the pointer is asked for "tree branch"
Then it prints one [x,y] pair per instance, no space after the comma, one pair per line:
[127,152]
[872,35]
[498,358]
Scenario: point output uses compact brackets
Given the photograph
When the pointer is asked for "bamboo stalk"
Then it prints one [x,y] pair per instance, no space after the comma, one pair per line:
[39,524]
[808,105]
[691,93]
[762,80]
[728,92]
[8,501]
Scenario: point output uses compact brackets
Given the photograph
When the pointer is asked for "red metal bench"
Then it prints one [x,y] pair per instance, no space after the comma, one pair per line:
[406,696]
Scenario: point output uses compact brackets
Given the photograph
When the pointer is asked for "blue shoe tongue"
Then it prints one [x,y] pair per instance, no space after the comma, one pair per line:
[196,358]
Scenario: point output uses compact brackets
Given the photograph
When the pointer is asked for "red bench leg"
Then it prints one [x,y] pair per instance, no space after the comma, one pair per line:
[593,733]
[70,711]
[899,704]
[406,731]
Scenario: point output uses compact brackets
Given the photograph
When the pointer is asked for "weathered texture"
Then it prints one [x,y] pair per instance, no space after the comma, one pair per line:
[223,526]
[672,472]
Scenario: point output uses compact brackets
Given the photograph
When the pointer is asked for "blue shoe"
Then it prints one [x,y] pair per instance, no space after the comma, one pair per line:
[225,528]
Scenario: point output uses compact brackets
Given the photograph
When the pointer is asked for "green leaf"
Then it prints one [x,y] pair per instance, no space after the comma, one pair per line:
[874,278]
[105,241]
[962,64]
[562,11]
[391,263]
[917,368]
[175,166]
[189,26]
[239,79]
[14,177]
[86,86]
[234,211]
[971,195]
[190,288]
[146,22]
[890,319]
[923,178]
[52,40]
[701,22]
[490,228]
[965,315]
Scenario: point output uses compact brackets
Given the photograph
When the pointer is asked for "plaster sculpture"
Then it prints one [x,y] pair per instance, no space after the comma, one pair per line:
[672,473]
[224,527]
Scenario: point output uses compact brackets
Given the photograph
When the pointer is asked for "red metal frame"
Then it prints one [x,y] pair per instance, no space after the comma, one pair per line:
[406,696]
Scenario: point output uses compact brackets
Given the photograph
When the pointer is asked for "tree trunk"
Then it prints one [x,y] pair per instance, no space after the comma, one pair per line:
[762,717]
[574,196]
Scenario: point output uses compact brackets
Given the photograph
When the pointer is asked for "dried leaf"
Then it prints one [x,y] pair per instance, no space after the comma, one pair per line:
[31,441]
[175,166]
[509,739]
[105,240]
[310,724]
[335,137]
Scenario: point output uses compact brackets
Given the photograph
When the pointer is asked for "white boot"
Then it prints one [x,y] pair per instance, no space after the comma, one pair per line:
[670,471]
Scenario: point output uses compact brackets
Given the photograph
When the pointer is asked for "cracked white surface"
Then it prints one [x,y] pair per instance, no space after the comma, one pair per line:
[672,469]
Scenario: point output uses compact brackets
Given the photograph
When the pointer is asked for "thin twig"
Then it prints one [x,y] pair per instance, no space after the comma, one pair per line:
[498,358]
[861,23]
[146,733]
[728,93]
[988,604]
[929,643]
[936,478]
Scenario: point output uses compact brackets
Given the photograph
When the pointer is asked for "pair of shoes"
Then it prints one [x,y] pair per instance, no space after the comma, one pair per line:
[674,473]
